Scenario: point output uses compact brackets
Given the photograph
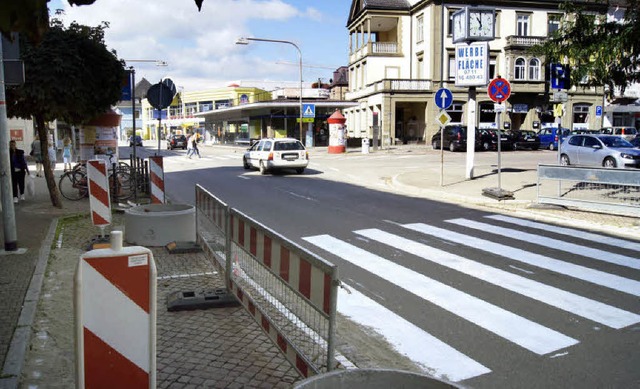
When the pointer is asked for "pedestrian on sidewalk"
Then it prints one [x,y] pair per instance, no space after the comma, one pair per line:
[53,157]
[19,169]
[36,153]
[66,153]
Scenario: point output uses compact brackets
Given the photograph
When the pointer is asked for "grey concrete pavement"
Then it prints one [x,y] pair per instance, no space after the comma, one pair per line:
[216,347]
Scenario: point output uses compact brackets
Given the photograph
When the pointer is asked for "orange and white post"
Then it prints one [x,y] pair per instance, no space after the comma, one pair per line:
[99,199]
[115,313]
[156,172]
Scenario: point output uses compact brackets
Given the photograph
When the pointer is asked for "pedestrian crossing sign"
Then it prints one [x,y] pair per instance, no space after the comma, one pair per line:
[308,110]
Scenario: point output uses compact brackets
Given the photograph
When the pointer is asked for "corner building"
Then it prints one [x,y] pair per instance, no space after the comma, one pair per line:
[401,52]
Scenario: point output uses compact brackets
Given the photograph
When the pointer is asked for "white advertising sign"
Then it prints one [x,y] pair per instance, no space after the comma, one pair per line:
[472,64]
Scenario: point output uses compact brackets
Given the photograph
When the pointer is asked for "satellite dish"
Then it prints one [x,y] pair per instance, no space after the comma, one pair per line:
[160,96]
[169,83]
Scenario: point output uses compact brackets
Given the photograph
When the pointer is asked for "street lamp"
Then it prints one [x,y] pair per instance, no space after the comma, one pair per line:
[245,41]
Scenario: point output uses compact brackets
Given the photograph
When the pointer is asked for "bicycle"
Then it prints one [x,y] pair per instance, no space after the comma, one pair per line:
[73,184]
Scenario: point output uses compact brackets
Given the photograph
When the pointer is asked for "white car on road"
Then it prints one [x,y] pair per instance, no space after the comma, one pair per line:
[271,154]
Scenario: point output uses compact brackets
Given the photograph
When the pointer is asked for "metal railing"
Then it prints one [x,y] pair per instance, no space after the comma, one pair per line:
[289,291]
[614,191]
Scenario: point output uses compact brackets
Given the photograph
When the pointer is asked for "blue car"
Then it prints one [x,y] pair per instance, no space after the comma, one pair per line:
[549,137]
[138,140]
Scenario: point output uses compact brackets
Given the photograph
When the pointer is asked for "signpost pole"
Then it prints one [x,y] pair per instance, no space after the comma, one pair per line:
[471,132]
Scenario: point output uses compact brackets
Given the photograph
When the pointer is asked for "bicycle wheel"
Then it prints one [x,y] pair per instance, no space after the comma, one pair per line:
[120,185]
[73,185]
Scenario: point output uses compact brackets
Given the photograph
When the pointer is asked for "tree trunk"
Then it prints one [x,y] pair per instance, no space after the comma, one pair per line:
[54,194]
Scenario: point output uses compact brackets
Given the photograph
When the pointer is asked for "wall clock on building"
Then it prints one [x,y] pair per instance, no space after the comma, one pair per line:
[459,33]
[481,23]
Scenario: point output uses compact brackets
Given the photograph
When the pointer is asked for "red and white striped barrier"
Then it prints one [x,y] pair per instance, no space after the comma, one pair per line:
[156,170]
[99,199]
[115,310]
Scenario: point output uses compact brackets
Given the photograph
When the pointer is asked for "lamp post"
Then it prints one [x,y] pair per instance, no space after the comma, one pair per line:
[245,41]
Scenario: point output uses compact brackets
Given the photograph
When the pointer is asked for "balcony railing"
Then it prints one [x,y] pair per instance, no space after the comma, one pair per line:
[524,41]
[384,47]
[391,85]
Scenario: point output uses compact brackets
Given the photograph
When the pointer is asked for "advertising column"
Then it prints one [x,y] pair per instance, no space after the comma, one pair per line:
[99,138]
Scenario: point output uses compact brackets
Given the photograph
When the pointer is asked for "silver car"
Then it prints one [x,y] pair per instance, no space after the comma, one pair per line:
[599,150]
[275,154]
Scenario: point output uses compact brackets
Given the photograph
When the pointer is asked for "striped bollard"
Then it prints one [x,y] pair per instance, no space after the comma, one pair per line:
[157,180]
[115,314]
[99,199]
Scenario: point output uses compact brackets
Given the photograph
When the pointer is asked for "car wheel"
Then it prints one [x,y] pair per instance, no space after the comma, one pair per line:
[551,147]
[263,168]
[300,170]
[486,146]
[452,147]
[434,145]
[564,160]
[245,163]
[609,162]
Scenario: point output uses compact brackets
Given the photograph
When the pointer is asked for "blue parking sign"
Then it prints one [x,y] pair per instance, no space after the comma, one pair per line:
[598,110]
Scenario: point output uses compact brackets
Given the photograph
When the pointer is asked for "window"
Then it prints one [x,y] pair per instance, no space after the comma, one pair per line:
[580,113]
[455,111]
[420,29]
[523,25]
[553,23]
[492,67]
[534,69]
[519,69]
[420,70]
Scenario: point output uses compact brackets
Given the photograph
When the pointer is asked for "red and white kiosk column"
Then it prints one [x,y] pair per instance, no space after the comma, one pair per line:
[336,133]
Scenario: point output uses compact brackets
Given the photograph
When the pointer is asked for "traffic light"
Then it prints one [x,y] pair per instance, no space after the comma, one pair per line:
[560,76]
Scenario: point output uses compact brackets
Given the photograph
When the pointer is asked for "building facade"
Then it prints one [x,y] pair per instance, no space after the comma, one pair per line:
[401,52]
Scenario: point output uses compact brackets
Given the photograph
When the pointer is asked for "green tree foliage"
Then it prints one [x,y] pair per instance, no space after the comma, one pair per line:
[600,52]
[70,76]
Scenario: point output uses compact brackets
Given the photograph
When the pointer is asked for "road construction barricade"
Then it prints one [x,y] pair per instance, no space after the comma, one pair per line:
[590,188]
[289,291]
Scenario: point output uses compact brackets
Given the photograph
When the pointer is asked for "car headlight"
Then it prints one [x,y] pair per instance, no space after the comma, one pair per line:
[626,156]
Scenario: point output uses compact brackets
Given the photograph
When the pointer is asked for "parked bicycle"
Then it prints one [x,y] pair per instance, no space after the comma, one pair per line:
[74,183]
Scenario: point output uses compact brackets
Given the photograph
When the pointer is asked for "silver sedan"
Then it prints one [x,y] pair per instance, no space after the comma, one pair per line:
[599,150]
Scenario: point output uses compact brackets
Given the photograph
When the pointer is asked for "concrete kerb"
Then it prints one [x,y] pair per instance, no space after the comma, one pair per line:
[15,359]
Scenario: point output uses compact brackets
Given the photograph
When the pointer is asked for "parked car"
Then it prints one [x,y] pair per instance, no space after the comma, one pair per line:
[176,142]
[627,133]
[599,150]
[455,138]
[488,139]
[138,139]
[525,139]
[271,154]
[549,137]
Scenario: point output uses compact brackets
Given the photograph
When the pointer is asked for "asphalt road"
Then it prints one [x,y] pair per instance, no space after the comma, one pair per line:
[514,305]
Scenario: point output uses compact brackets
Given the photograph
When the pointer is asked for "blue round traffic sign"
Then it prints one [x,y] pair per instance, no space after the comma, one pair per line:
[444,98]
[499,90]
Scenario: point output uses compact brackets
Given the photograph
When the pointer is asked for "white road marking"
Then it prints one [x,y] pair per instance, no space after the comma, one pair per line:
[616,242]
[434,356]
[600,255]
[558,298]
[302,196]
[523,332]
[593,276]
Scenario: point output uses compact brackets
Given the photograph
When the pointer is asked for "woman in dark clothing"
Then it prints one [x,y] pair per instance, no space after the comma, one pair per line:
[19,169]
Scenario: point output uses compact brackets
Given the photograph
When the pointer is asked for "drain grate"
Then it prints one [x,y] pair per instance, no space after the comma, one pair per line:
[189,300]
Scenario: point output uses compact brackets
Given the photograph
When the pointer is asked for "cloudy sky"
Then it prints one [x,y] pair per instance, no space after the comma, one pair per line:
[200,48]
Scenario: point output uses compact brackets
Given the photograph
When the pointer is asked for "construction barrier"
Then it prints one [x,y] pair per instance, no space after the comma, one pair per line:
[289,291]
[115,314]
[99,199]
[157,180]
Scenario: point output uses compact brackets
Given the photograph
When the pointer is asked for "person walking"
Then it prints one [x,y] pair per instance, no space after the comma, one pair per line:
[36,153]
[189,146]
[193,145]
[53,157]
[19,169]
[66,153]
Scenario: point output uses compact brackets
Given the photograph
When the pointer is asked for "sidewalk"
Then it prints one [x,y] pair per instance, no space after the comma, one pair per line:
[220,347]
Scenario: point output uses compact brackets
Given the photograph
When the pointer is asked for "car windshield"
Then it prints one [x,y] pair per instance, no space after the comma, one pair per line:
[615,141]
[288,146]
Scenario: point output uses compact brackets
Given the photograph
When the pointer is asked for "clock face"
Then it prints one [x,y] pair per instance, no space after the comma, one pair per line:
[459,26]
[481,24]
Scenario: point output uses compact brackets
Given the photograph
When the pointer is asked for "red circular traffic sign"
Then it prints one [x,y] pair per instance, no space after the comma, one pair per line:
[499,90]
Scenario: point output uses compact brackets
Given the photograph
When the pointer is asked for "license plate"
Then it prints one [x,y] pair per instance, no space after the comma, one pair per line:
[290,157]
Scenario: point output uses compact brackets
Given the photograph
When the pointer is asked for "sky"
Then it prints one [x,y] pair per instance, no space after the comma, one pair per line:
[200,49]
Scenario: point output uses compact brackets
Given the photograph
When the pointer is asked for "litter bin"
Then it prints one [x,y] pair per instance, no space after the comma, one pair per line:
[373,379]
[365,145]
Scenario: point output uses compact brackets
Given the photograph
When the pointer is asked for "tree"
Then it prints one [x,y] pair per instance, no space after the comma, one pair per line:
[600,52]
[70,76]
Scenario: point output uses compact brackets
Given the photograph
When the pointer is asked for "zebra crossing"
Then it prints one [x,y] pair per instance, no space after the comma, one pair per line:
[468,255]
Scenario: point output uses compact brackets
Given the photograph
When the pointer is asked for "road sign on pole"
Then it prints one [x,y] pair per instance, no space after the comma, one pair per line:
[499,90]
[443,98]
